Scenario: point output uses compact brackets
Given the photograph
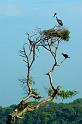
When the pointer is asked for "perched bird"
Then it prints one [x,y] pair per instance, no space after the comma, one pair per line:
[59,21]
[65,55]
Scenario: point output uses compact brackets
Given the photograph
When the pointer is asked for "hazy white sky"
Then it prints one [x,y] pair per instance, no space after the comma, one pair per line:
[16,18]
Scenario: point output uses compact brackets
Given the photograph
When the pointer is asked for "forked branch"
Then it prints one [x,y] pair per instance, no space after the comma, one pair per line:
[50,41]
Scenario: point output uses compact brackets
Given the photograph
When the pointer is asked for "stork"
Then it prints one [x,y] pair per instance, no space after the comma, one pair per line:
[59,21]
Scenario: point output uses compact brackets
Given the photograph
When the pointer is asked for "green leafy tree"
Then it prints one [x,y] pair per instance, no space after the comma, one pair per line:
[50,113]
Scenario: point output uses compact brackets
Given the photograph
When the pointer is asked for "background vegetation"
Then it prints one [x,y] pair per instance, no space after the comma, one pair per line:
[51,113]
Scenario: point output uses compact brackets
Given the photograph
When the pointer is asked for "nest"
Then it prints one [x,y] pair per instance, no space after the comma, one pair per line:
[60,33]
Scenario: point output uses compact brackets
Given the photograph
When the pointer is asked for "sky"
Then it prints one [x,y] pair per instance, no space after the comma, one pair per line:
[18,17]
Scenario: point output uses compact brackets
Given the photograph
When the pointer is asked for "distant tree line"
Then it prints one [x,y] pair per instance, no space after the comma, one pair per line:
[51,113]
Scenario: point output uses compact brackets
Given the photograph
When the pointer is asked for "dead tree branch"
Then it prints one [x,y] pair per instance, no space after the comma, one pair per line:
[50,41]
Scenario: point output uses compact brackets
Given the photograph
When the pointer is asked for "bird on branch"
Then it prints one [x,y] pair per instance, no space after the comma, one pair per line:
[65,55]
[59,21]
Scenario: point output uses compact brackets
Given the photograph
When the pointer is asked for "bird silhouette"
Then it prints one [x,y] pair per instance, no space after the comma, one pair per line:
[65,55]
[59,21]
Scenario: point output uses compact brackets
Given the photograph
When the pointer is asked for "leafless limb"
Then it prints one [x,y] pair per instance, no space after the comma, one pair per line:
[46,39]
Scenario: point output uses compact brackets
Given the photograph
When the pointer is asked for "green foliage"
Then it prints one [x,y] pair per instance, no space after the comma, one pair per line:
[50,92]
[63,94]
[51,113]
[64,34]
[34,91]
[68,94]
[32,102]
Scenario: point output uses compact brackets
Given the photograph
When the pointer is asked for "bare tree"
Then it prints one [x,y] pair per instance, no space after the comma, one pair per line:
[49,40]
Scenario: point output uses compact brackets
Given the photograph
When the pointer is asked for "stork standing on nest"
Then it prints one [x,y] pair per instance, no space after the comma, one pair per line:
[59,21]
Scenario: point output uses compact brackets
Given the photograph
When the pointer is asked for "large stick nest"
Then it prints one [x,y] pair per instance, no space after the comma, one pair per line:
[60,33]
